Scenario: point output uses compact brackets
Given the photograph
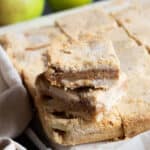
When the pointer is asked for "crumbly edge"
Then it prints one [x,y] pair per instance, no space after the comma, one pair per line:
[57,103]
[42,85]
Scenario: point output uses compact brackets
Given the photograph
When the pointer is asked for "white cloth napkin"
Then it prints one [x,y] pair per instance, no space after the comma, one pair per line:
[8,144]
[15,111]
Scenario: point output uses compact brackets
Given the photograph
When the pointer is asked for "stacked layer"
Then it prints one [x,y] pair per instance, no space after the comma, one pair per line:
[83,79]
[128,118]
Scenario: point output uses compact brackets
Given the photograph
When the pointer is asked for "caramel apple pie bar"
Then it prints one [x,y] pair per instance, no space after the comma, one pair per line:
[86,103]
[83,64]
[71,131]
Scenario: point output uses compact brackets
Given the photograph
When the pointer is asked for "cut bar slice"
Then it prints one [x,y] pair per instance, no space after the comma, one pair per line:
[134,109]
[71,131]
[44,37]
[26,47]
[133,58]
[86,23]
[83,64]
[34,39]
[84,103]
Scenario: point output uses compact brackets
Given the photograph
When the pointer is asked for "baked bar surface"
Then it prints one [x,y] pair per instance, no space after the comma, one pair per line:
[71,131]
[83,64]
[86,23]
[86,103]
[26,47]
[134,108]
[133,58]
[136,21]
[137,118]
[129,123]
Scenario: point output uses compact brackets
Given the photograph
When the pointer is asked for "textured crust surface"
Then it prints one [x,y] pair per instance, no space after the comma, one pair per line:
[86,103]
[136,22]
[86,23]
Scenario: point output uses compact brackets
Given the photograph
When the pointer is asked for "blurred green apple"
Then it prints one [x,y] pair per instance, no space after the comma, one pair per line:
[12,11]
[65,4]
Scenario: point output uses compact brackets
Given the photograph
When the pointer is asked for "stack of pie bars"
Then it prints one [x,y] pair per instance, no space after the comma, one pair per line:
[83,79]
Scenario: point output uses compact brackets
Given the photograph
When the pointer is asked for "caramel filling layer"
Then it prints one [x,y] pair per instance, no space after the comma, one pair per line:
[57,78]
